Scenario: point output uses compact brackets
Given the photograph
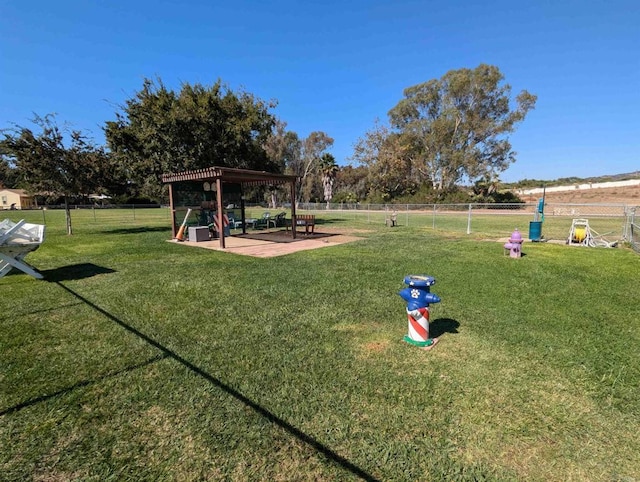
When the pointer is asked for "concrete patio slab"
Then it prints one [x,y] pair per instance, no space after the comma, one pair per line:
[272,244]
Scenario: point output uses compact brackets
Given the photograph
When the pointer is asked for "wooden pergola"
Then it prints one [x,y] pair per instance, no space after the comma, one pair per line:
[219,176]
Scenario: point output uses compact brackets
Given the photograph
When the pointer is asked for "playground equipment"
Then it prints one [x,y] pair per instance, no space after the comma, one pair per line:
[418,297]
[16,241]
[514,246]
[582,234]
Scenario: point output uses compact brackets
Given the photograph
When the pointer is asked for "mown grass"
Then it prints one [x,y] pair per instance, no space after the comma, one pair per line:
[139,359]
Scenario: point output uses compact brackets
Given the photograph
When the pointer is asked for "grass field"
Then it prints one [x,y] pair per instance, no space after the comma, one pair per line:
[138,359]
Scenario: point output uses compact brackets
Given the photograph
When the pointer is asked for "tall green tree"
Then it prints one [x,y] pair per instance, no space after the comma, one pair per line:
[351,184]
[159,131]
[8,171]
[328,171]
[305,167]
[389,163]
[284,149]
[56,161]
[458,125]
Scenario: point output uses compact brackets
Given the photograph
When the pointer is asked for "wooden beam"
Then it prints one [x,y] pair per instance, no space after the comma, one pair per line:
[174,229]
[220,212]
[293,209]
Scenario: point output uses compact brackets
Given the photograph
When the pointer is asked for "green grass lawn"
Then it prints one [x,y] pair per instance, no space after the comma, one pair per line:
[138,359]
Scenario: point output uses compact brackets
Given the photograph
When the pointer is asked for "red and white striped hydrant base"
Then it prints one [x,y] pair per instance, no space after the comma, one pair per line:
[418,324]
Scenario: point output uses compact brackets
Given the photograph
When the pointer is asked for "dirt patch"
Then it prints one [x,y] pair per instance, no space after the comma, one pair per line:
[376,346]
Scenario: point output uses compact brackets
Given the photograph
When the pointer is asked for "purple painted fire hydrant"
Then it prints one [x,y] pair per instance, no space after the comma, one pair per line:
[418,297]
[514,246]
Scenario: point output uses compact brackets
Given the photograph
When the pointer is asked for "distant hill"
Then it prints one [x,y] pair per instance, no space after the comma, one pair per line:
[609,191]
[564,181]
[581,186]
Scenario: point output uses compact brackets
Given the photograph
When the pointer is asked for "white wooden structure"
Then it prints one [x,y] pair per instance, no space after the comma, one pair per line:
[16,241]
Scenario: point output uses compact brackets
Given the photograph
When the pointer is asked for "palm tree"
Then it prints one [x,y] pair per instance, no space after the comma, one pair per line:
[328,170]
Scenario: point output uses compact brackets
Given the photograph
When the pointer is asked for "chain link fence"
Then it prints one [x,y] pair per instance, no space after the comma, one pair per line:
[88,217]
[633,229]
[614,222]
[486,219]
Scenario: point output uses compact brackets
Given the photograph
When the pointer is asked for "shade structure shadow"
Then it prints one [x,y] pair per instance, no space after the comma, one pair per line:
[270,244]
[441,326]
[74,272]
[165,352]
[282,236]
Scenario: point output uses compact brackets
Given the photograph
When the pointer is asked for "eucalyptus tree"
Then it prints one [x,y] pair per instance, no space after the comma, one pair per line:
[351,184]
[305,167]
[284,149]
[388,163]
[458,125]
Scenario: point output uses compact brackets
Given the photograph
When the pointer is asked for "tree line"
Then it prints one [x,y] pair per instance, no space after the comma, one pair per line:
[441,133]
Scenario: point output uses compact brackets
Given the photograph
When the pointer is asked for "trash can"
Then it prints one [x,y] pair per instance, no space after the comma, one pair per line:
[535,230]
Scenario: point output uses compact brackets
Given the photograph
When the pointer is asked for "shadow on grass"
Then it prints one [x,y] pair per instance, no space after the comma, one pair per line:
[80,384]
[74,271]
[441,326]
[37,312]
[138,230]
[329,221]
[271,417]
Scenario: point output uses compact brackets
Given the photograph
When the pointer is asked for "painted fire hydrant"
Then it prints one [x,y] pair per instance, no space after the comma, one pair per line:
[514,246]
[418,297]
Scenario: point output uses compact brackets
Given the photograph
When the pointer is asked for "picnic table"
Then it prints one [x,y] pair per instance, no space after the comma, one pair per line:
[16,241]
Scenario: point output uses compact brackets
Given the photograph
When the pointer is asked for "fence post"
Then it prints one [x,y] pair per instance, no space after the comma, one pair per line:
[469,220]
[44,217]
[434,217]
[632,225]
[628,227]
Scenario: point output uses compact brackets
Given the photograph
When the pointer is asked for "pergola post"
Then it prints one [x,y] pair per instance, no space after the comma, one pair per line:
[220,212]
[293,209]
[242,210]
[173,212]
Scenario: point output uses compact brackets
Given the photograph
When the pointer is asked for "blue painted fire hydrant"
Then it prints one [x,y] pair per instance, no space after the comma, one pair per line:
[418,297]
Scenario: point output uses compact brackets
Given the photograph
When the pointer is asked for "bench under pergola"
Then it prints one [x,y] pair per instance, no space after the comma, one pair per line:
[222,177]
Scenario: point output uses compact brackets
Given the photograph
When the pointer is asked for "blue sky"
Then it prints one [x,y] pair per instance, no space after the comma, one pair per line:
[338,66]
